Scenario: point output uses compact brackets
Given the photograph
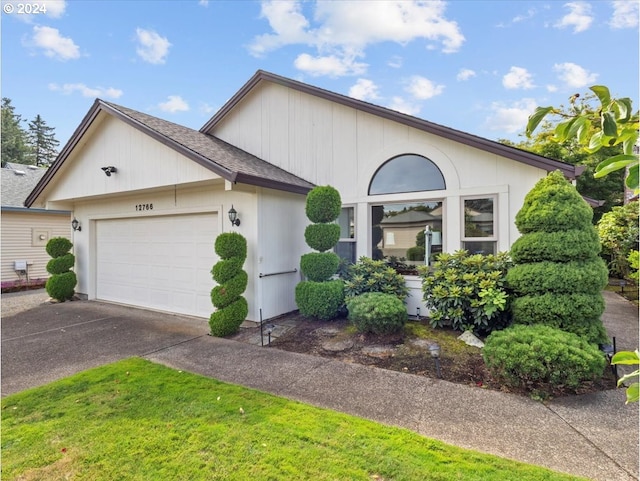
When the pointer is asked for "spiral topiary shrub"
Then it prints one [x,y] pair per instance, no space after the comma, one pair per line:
[231,308]
[318,296]
[558,276]
[542,358]
[377,313]
[62,282]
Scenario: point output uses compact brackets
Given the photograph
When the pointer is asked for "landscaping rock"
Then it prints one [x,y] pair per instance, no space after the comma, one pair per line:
[337,345]
[470,339]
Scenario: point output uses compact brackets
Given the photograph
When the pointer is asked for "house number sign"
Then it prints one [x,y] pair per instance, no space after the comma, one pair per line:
[141,207]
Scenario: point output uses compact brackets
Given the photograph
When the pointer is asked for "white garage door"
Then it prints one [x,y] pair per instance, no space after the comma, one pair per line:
[159,262]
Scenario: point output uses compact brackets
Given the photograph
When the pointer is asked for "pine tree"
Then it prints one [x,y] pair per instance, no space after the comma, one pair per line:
[43,142]
[14,141]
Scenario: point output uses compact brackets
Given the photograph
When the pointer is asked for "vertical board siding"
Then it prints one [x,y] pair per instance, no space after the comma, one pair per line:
[16,241]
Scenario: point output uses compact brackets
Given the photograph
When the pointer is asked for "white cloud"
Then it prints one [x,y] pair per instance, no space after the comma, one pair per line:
[574,75]
[401,105]
[54,45]
[517,78]
[174,103]
[552,88]
[364,89]
[422,88]
[579,17]
[152,47]
[205,108]
[625,14]
[510,118]
[204,3]
[68,89]
[343,29]
[332,65]
[521,18]
[395,62]
[465,74]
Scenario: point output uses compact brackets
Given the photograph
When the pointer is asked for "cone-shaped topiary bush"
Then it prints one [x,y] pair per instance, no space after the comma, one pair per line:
[558,276]
[319,297]
[62,282]
[231,307]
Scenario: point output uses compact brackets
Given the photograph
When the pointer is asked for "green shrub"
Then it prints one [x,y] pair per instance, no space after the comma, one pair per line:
[320,300]
[554,284]
[323,204]
[416,253]
[60,265]
[226,321]
[223,295]
[61,286]
[542,358]
[322,237]
[574,244]
[368,275]
[634,263]
[577,313]
[231,244]
[319,266]
[618,231]
[377,313]
[467,292]
[62,282]
[58,246]
[226,297]
[587,277]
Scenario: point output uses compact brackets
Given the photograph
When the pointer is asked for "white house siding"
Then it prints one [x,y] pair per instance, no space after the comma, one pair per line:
[281,224]
[327,143]
[17,241]
[142,163]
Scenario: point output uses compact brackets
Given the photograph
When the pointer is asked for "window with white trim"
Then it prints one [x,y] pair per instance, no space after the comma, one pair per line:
[480,227]
[346,247]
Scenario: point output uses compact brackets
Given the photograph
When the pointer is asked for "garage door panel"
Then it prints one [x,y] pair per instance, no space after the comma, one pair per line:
[159,262]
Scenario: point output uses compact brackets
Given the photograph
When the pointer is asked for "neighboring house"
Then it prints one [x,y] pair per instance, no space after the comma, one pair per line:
[148,228]
[25,232]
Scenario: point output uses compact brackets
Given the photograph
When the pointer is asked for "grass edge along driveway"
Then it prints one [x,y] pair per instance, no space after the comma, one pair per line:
[136,420]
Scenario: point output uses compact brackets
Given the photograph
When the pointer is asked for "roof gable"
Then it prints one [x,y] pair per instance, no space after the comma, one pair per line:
[227,161]
[513,153]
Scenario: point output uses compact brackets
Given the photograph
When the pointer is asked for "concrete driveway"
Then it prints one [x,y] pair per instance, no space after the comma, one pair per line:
[52,341]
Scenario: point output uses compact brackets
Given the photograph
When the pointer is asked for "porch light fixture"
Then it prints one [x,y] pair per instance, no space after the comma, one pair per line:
[75,225]
[109,170]
[233,216]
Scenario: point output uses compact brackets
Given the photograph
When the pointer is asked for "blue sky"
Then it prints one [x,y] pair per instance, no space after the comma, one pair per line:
[477,66]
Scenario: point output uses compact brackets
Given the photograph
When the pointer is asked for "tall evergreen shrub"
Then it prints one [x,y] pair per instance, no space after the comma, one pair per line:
[62,282]
[231,307]
[558,276]
[319,297]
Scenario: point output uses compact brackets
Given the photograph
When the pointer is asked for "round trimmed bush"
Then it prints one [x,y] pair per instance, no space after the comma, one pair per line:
[231,244]
[574,244]
[61,286]
[319,266]
[542,358]
[377,312]
[225,322]
[323,204]
[416,253]
[320,300]
[60,265]
[322,237]
[58,246]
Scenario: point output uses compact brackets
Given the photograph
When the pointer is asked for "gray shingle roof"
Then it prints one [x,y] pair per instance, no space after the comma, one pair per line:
[17,182]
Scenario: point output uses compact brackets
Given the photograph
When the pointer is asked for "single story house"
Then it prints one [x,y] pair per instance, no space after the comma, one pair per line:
[25,232]
[151,196]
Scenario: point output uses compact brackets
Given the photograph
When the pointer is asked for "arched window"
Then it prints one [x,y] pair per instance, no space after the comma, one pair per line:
[406,173]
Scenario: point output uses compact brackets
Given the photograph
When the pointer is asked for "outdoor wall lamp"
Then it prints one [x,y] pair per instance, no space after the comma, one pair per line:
[75,225]
[109,170]
[233,216]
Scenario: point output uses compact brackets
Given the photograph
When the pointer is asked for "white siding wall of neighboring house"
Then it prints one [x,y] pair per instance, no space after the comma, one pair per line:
[18,241]
[327,143]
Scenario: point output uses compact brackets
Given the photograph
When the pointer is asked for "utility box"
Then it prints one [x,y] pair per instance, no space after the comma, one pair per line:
[19,265]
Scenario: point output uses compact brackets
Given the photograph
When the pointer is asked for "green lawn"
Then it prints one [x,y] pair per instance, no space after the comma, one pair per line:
[135,420]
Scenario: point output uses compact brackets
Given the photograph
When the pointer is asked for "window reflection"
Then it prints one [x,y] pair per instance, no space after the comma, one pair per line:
[407,173]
